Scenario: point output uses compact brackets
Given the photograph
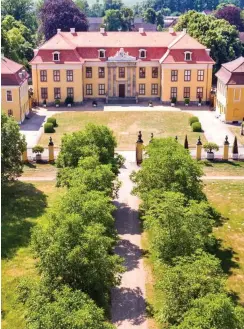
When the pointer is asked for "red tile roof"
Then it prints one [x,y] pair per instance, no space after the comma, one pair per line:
[10,73]
[199,56]
[82,46]
[232,73]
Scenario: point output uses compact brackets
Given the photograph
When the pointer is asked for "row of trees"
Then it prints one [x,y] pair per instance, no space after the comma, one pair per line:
[190,283]
[75,249]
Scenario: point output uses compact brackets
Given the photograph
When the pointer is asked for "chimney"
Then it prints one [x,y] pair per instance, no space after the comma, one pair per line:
[141,30]
[72,30]
[102,30]
[184,31]
[171,30]
[58,31]
[208,51]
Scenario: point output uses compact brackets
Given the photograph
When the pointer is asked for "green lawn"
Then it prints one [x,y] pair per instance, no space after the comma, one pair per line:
[126,126]
[236,131]
[39,170]
[228,168]
[227,197]
[23,206]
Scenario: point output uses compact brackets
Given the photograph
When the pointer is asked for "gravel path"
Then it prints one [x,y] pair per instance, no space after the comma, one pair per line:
[128,300]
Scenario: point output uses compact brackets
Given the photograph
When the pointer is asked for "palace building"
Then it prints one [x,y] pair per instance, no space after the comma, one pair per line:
[14,87]
[116,65]
[230,91]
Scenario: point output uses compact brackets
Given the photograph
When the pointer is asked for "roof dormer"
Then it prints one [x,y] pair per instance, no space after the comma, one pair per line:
[142,53]
[188,56]
[101,53]
[56,56]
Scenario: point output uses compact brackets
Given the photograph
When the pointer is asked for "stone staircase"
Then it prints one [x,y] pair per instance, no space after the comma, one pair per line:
[120,100]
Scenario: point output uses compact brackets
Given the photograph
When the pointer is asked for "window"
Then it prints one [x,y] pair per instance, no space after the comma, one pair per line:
[101,89]
[56,75]
[56,56]
[187,75]
[154,88]
[142,72]
[121,72]
[199,92]
[9,96]
[142,53]
[200,75]
[57,93]
[69,75]
[89,72]
[43,74]
[70,92]
[89,89]
[44,93]
[174,75]
[173,92]
[101,53]
[237,94]
[186,92]
[187,56]
[155,72]
[101,72]
[142,88]
[10,113]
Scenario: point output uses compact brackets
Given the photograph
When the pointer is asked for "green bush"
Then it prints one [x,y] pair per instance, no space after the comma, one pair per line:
[38,149]
[210,147]
[69,100]
[196,126]
[193,119]
[53,121]
[48,128]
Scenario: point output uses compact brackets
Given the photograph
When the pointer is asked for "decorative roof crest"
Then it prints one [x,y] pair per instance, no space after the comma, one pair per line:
[121,56]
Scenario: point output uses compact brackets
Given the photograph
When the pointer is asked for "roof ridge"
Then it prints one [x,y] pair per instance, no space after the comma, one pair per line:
[177,39]
[240,63]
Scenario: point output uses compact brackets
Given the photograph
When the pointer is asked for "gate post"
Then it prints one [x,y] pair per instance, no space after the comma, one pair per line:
[226,149]
[199,149]
[139,149]
[24,156]
[51,150]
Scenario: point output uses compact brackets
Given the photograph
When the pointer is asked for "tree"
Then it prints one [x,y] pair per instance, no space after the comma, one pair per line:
[150,16]
[159,18]
[61,14]
[113,20]
[113,4]
[231,14]
[83,5]
[78,255]
[93,140]
[127,17]
[190,278]
[13,145]
[216,34]
[213,311]
[168,167]
[97,9]
[70,309]
[177,229]
[17,40]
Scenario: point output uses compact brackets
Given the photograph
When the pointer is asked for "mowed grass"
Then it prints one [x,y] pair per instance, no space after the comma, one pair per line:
[221,168]
[126,125]
[23,206]
[228,198]
[236,131]
[40,170]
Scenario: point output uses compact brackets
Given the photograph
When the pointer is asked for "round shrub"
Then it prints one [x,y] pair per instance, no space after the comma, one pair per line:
[53,121]
[48,128]
[193,119]
[196,126]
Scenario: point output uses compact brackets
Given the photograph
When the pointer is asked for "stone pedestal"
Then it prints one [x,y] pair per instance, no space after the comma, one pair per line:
[51,150]
[199,149]
[24,156]
[139,149]
[226,149]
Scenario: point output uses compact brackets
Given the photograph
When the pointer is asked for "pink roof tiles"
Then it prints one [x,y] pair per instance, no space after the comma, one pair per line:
[232,73]
[10,73]
[84,46]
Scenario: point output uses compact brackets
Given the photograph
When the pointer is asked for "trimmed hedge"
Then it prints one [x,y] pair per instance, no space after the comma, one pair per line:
[196,127]
[48,128]
[53,121]
[193,119]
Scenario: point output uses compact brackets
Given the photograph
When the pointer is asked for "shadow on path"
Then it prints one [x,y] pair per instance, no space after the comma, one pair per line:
[130,252]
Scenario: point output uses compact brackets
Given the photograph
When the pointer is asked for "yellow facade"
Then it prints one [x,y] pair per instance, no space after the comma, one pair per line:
[230,102]
[18,107]
[91,86]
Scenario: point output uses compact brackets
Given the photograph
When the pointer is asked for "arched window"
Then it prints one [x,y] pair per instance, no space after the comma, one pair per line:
[101,53]
[188,56]
[142,53]
[56,56]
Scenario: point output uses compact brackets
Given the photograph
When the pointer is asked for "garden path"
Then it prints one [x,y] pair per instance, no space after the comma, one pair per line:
[128,299]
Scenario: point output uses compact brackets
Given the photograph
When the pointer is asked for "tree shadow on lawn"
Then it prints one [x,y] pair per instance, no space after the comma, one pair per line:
[21,203]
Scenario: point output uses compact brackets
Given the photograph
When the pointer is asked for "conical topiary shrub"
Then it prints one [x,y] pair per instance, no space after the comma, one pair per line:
[235,149]
[186,146]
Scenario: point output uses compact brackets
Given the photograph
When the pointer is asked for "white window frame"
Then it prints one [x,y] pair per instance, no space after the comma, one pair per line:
[188,53]
[235,99]
[140,51]
[56,53]
[104,53]
[7,96]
